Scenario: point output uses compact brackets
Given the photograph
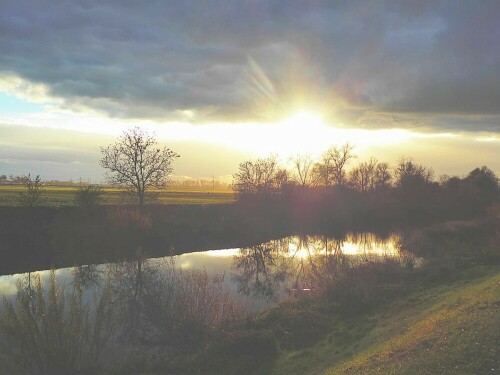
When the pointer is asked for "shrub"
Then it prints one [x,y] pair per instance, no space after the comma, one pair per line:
[128,218]
[88,196]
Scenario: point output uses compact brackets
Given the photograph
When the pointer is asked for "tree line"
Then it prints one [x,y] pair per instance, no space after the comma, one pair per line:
[139,166]
[331,170]
[333,190]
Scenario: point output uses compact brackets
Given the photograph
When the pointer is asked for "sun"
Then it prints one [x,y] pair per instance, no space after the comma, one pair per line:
[305,131]
[305,119]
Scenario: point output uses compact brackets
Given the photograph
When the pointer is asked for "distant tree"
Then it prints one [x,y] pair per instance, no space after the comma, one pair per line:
[332,167]
[281,179]
[362,177]
[323,170]
[3,179]
[451,183]
[261,176]
[383,176]
[136,163]
[370,175]
[484,182]
[88,196]
[17,180]
[410,175]
[33,196]
[302,167]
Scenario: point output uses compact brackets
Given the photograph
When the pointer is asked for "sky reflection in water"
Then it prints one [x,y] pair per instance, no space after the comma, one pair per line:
[260,275]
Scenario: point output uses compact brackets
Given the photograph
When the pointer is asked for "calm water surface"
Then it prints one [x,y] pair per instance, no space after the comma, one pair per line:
[259,276]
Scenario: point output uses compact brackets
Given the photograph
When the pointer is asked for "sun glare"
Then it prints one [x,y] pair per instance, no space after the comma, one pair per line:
[303,117]
[304,132]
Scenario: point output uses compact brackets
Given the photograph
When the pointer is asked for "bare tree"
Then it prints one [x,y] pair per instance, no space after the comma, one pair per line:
[261,176]
[332,167]
[383,176]
[137,163]
[302,165]
[341,156]
[370,175]
[362,178]
[323,170]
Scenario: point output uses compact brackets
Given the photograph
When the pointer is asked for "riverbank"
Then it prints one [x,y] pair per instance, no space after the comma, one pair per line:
[41,238]
[439,318]
[355,316]
[36,238]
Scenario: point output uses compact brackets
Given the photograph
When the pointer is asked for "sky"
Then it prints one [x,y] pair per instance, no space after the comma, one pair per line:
[220,82]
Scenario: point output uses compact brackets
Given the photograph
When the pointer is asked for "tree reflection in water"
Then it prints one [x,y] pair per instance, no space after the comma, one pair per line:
[87,276]
[309,264]
[261,270]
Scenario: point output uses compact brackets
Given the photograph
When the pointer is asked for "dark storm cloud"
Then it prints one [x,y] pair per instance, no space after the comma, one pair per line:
[244,60]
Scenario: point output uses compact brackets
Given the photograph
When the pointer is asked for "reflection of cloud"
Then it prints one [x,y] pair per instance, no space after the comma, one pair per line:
[185,265]
[8,285]
[222,253]
[213,261]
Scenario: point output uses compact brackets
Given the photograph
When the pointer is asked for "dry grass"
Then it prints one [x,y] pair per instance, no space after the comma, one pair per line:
[50,331]
[164,305]
[54,332]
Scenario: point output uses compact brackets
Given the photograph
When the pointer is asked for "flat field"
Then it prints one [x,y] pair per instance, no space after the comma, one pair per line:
[61,195]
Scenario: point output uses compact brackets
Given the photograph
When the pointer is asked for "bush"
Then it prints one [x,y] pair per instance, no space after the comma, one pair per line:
[88,196]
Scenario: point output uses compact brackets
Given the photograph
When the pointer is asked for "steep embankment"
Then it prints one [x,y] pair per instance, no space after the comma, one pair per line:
[453,328]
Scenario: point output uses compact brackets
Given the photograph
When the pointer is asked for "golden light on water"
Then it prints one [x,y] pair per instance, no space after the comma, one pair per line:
[351,246]
[372,248]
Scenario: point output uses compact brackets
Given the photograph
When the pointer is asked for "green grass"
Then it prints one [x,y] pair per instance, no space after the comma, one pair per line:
[56,195]
[453,328]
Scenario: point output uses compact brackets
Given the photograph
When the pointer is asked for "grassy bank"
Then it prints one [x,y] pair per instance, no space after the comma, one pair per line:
[450,328]
[439,319]
[453,328]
